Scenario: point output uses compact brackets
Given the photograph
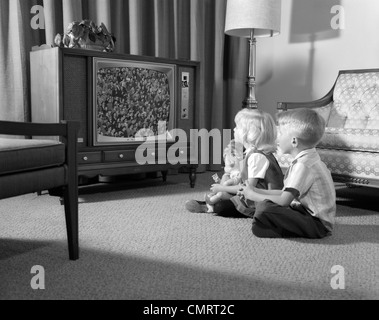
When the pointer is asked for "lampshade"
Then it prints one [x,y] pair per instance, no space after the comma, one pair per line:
[262,16]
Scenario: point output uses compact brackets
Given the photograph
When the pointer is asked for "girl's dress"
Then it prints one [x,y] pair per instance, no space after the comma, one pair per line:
[273,180]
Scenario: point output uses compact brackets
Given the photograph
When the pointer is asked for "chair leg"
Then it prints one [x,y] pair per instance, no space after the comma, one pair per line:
[72,221]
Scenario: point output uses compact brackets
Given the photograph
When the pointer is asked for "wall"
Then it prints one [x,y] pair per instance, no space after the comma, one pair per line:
[292,67]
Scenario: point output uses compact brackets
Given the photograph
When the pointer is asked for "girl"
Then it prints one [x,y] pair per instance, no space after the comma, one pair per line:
[256,131]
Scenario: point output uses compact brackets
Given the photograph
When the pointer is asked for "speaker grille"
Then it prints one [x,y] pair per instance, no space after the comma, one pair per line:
[75,84]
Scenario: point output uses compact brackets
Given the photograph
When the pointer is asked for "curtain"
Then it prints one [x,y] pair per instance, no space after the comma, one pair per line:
[177,29]
[16,41]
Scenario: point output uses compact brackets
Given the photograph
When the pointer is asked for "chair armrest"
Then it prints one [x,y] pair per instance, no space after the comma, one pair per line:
[38,129]
[283,106]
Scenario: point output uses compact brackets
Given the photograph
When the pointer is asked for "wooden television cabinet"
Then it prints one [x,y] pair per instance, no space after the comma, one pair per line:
[62,88]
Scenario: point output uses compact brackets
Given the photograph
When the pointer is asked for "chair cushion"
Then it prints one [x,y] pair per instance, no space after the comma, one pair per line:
[17,155]
[350,139]
[351,163]
[363,165]
[356,101]
[324,111]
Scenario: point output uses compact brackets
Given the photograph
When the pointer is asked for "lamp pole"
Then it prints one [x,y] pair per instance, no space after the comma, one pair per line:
[251,101]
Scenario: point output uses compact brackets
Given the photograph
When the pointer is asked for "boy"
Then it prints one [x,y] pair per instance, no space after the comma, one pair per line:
[306,206]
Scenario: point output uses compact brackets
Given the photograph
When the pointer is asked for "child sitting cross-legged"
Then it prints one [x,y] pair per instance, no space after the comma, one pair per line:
[306,206]
[256,131]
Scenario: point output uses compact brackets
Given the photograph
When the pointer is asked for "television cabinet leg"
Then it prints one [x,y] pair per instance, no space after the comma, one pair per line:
[164,175]
[192,176]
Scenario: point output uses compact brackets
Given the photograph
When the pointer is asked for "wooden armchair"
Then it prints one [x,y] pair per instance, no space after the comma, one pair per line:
[33,165]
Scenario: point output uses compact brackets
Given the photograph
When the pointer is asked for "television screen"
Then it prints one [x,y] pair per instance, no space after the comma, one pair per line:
[134,101]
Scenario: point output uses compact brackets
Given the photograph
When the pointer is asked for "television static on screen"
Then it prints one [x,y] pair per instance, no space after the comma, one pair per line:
[134,101]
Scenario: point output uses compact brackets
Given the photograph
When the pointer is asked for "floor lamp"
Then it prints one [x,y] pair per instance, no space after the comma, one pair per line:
[252,19]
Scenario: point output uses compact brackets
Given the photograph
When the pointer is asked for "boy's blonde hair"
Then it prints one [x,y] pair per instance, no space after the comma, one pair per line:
[259,130]
[306,124]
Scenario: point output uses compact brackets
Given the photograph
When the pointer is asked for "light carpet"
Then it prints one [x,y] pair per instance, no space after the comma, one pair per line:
[137,242]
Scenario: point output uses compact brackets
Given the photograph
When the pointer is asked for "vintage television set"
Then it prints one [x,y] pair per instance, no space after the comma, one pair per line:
[133,101]
[124,103]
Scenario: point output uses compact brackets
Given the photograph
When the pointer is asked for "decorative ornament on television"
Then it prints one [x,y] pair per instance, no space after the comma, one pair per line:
[86,35]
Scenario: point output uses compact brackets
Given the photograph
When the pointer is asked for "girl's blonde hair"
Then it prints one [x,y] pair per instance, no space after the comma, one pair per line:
[259,129]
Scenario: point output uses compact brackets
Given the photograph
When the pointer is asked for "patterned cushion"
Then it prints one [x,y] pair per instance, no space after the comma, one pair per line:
[356,101]
[325,111]
[18,155]
[351,139]
[363,165]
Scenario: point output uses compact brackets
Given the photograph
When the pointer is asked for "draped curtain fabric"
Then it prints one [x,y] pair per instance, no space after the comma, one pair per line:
[177,29]
[16,40]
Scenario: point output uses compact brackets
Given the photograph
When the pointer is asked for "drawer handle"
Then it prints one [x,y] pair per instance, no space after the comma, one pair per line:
[182,152]
[153,154]
[121,156]
[85,158]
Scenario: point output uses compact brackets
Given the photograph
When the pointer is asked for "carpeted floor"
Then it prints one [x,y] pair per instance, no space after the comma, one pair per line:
[138,243]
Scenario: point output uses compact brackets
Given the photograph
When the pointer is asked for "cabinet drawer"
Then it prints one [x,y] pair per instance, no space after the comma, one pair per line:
[119,156]
[89,157]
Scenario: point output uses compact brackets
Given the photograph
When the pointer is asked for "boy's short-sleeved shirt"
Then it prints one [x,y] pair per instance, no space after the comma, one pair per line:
[310,181]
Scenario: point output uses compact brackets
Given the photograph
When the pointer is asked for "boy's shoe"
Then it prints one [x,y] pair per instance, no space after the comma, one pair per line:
[196,206]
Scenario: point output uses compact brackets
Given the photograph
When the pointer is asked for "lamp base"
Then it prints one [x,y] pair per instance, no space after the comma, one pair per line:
[250,102]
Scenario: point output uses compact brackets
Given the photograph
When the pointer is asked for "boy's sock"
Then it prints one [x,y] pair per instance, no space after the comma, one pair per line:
[215,198]
[211,198]
[211,208]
